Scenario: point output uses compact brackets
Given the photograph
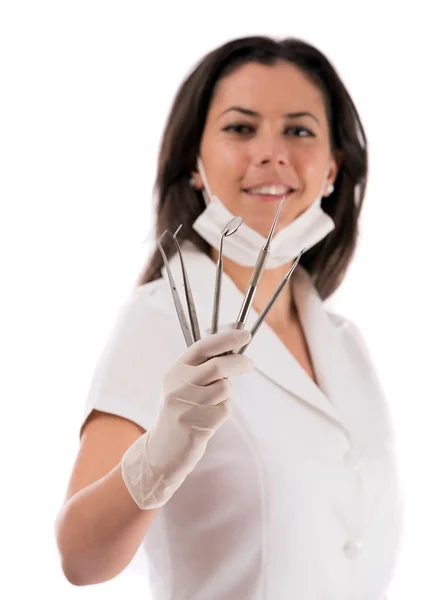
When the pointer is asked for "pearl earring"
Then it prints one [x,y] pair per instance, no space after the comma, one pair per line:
[330,188]
[192,182]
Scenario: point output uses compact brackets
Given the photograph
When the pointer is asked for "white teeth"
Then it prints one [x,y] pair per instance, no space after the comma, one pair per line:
[271,190]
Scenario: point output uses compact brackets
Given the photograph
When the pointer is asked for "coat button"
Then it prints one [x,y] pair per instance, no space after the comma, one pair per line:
[352,459]
[352,548]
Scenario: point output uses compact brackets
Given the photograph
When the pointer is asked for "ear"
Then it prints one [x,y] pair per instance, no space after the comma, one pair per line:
[196,181]
[337,158]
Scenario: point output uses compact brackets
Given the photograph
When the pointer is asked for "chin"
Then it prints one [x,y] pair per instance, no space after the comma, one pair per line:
[262,225]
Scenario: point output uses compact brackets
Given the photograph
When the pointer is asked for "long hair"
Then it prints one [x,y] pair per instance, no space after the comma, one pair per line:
[176,202]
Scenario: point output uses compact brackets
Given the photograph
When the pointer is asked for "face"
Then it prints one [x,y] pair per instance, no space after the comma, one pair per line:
[266,133]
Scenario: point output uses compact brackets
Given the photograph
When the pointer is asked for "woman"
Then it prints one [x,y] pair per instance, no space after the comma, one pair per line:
[280,483]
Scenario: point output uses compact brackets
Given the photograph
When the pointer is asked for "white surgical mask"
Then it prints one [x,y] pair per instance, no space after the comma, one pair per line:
[243,246]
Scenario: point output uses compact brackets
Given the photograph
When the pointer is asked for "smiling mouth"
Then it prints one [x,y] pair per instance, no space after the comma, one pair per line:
[269,192]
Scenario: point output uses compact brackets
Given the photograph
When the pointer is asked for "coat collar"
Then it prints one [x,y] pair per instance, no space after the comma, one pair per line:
[333,396]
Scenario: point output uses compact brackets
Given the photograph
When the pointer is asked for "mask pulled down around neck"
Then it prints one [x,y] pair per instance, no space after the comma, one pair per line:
[243,246]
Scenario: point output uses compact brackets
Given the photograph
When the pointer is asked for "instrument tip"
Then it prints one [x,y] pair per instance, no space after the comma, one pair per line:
[270,235]
[232,226]
[162,236]
[176,232]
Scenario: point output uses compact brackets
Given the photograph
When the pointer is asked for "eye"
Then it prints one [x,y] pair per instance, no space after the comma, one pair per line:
[239,128]
[295,130]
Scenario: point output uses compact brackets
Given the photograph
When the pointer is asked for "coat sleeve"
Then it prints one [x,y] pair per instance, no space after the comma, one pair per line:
[141,347]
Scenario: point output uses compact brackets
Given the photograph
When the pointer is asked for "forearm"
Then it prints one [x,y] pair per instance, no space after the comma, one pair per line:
[99,530]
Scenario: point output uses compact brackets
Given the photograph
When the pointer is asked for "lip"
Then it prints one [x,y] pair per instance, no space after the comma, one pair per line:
[270,183]
[268,197]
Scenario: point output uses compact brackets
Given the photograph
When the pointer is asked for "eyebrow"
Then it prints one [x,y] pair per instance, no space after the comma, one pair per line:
[252,113]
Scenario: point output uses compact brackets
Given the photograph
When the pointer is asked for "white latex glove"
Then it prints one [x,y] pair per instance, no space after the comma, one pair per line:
[195,402]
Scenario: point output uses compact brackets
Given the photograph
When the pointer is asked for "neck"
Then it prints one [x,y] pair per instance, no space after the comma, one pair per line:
[283,315]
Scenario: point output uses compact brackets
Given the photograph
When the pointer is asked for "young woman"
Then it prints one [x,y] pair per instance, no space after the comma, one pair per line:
[269,474]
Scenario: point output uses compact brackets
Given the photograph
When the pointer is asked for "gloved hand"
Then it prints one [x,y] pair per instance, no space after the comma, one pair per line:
[195,402]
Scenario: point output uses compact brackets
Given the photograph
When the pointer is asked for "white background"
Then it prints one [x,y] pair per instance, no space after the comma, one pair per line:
[85,89]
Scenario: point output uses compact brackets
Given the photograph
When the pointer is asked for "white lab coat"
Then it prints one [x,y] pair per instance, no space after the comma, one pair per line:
[297,496]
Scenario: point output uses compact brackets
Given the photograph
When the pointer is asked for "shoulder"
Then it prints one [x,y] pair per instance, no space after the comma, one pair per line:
[351,333]
[146,299]
[355,345]
[148,305]
[145,325]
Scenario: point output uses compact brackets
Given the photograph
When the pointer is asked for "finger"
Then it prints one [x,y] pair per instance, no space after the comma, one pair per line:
[215,369]
[214,345]
[224,367]
[206,416]
[198,395]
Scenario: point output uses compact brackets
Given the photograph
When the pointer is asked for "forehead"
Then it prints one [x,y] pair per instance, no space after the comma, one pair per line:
[281,87]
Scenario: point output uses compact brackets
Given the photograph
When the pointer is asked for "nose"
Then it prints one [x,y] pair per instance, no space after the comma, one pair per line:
[272,151]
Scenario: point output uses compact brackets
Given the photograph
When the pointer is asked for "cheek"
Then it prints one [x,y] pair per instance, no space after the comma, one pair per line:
[226,160]
[234,157]
[310,166]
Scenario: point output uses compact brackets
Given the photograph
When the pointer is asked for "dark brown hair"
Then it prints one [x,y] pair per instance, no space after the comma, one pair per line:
[177,202]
